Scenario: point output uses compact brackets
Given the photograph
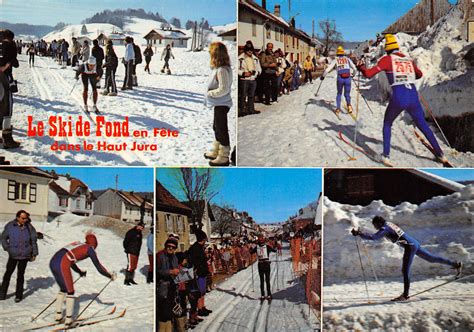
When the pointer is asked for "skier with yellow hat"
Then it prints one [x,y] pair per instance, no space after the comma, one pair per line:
[401,73]
[343,65]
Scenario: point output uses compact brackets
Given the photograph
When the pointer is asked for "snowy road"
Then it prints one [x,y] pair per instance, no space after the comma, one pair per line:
[41,288]
[301,130]
[446,308]
[173,102]
[236,307]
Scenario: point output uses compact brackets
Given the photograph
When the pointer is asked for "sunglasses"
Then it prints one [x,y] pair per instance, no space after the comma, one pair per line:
[171,247]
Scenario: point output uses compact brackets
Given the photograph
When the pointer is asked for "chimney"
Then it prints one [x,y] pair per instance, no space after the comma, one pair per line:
[264,4]
[277,10]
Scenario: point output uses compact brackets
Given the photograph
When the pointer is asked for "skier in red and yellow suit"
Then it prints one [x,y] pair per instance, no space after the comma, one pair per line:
[61,264]
[401,73]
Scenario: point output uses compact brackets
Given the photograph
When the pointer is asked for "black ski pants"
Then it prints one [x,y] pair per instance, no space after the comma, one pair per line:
[110,79]
[31,60]
[264,273]
[247,96]
[221,130]
[128,80]
[270,88]
[20,276]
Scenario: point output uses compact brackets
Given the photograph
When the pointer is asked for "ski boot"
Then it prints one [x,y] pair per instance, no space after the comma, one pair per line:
[112,94]
[269,299]
[59,306]
[386,160]
[350,111]
[69,310]
[458,268]
[127,279]
[207,310]
[262,299]
[86,109]
[401,298]
[162,70]
[95,109]
[203,313]
[104,93]
[168,72]
[222,158]
[132,275]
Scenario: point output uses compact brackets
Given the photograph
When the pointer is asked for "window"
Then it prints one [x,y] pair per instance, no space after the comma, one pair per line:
[25,192]
[33,192]
[268,31]
[180,225]
[169,223]
[88,205]
[63,201]
[277,34]
[282,36]
[78,203]
[254,27]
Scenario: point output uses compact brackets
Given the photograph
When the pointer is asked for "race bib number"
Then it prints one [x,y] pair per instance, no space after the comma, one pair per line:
[403,71]
[342,63]
[262,252]
[396,229]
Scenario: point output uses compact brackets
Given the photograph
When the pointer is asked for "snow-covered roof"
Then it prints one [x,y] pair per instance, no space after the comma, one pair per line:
[75,30]
[131,198]
[448,184]
[258,9]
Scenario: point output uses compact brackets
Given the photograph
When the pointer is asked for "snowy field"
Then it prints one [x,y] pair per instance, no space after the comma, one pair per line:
[302,130]
[236,307]
[443,225]
[161,101]
[41,288]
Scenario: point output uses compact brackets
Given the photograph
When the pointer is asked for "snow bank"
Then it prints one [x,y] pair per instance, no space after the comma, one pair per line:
[443,225]
[75,30]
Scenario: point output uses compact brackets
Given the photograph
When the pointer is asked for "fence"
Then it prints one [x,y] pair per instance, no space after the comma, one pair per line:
[306,261]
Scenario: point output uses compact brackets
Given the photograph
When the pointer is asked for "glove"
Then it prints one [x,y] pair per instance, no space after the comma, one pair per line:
[83,274]
[322,78]
[355,232]
[113,276]
[32,258]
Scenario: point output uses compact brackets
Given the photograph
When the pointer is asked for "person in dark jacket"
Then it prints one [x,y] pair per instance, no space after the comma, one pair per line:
[166,269]
[148,53]
[20,241]
[166,55]
[198,259]
[111,63]
[132,245]
[98,53]
[8,61]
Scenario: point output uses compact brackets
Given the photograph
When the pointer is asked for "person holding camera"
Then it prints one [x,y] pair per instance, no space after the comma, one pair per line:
[8,61]
[249,69]
[19,239]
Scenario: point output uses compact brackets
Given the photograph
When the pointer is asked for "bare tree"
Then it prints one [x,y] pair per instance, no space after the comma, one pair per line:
[330,36]
[198,185]
[225,221]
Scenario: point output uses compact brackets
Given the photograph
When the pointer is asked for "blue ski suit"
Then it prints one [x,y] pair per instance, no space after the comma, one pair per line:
[411,248]
[343,65]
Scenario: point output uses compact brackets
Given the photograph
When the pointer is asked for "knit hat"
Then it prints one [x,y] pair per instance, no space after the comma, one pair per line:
[91,240]
[340,50]
[172,241]
[391,43]
[91,61]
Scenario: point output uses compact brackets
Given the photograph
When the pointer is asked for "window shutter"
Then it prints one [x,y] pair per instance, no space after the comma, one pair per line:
[33,192]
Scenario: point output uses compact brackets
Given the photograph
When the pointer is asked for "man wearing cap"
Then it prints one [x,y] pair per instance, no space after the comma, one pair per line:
[89,75]
[20,241]
[343,65]
[198,259]
[132,245]
[249,69]
[166,270]
[61,264]
[401,73]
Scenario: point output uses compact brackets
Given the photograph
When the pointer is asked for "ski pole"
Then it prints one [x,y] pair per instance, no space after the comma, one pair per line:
[370,261]
[100,292]
[319,87]
[49,305]
[365,100]
[434,119]
[362,267]
[75,82]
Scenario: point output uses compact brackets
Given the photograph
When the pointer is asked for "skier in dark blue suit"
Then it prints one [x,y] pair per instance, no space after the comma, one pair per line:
[411,246]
